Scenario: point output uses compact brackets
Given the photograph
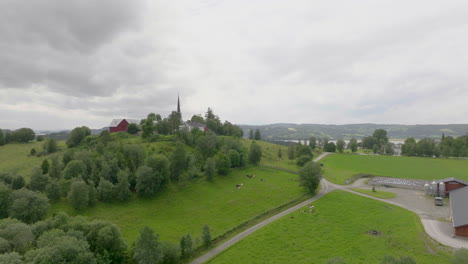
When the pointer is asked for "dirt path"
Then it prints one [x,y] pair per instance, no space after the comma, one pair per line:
[324,190]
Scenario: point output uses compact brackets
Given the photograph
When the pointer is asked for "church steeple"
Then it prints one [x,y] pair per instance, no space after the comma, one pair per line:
[178,104]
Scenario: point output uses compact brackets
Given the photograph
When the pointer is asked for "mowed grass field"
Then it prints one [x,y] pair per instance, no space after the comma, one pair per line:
[339,228]
[180,210]
[15,157]
[340,167]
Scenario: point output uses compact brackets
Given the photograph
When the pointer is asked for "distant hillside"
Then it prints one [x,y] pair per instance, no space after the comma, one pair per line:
[63,135]
[304,131]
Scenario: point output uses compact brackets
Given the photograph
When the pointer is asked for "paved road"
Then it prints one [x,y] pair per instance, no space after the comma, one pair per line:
[324,190]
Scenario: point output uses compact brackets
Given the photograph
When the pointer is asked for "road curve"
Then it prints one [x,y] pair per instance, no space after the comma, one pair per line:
[326,187]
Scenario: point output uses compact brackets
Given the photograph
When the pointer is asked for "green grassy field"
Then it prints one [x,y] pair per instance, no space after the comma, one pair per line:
[219,204]
[340,167]
[377,193]
[15,157]
[339,227]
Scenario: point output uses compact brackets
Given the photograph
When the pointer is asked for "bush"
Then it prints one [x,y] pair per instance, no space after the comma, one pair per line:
[28,206]
[79,195]
[132,128]
[302,160]
[309,176]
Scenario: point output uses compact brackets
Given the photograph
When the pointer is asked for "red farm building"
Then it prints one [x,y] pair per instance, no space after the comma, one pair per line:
[450,185]
[118,125]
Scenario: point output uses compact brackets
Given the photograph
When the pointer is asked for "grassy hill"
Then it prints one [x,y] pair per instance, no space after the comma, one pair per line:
[339,228]
[340,167]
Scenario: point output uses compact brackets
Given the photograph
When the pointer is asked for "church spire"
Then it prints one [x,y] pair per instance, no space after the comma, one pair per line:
[178,104]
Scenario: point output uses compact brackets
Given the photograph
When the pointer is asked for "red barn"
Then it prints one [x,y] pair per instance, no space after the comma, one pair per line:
[451,184]
[118,125]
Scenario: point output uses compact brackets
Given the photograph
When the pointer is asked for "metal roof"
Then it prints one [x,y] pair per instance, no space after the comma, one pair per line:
[452,179]
[116,122]
[459,206]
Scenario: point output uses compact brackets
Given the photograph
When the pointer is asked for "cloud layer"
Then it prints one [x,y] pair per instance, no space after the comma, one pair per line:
[76,62]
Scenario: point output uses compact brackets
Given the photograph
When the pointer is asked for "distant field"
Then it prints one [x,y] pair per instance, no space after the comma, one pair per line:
[339,227]
[177,211]
[340,167]
[15,157]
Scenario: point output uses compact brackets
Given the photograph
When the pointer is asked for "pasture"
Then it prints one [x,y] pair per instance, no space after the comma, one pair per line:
[176,211]
[359,229]
[377,193]
[15,157]
[340,167]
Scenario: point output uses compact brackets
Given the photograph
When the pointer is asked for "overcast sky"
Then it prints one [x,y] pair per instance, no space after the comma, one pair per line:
[84,62]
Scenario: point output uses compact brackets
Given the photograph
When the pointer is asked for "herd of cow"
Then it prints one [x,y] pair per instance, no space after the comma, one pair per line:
[238,186]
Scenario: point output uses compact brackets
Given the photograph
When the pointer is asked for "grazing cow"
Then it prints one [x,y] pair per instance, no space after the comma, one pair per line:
[239,185]
[262,180]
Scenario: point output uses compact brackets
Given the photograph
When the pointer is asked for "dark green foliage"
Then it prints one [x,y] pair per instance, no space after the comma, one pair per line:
[340,144]
[105,190]
[330,147]
[147,181]
[234,157]
[55,169]
[303,150]
[134,156]
[92,195]
[38,180]
[160,164]
[197,118]
[178,161]
[50,146]
[5,200]
[105,237]
[67,156]
[186,246]
[208,144]
[147,248]
[2,138]
[75,169]
[22,135]
[302,160]
[312,143]
[122,188]
[401,260]
[210,168]
[292,151]
[33,152]
[45,166]
[309,176]
[280,154]
[460,256]
[174,120]
[171,253]
[222,163]
[53,190]
[257,135]
[206,236]
[389,149]
[18,235]
[353,145]
[77,135]
[11,258]
[251,134]
[79,195]
[255,153]
[132,128]
[232,130]
[28,206]
[17,182]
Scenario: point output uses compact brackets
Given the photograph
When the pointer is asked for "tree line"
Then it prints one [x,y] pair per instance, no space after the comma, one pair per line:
[427,147]
[22,135]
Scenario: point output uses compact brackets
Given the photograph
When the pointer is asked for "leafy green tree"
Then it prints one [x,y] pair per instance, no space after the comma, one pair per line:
[77,135]
[79,195]
[251,134]
[309,176]
[55,169]
[198,119]
[53,190]
[122,189]
[134,156]
[312,142]
[2,138]
[105,190]
[280,155]
[45,166]
[5,200]
[302,160]
[38,181]
[40,138]
[340,144]
[174,120]
[460,256]
[132,128]
[222,163]
[210,169]
[178,161]
[353,145]
[206,236]
[160,164]
[207,144]
[234,158]
[330,147]
[409,147]
[292,151]
[28,206]
[171,253]
[186,246]
[75,169]
[148,181]
[389,149]
[32,152]
[104,237]
[380,136]
[257,136]
[303,150]
[11,258]
[50,145]
[147,248]
[18,235]
[23,135]
[17,182]
[255,153]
